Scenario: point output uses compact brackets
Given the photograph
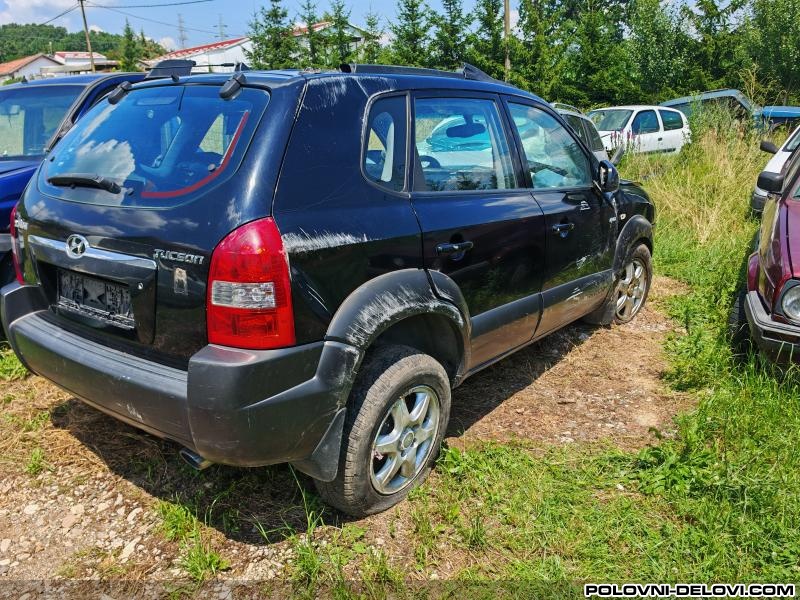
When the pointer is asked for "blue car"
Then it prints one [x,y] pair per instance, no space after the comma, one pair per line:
[33,115]
[738,102]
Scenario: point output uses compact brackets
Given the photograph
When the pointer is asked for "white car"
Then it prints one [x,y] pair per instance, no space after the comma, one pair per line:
[642,128]
[775,165]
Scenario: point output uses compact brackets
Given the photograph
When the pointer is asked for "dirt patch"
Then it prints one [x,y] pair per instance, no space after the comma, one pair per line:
[79,491]
[582,383]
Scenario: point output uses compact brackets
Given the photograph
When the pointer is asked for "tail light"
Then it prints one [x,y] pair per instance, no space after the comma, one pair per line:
[14,250]
[249,301]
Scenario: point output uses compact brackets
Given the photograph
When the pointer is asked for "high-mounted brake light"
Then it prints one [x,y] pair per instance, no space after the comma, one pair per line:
[249,301]
[14,250]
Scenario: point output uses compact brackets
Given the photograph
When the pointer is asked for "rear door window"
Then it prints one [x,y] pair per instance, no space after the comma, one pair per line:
[384,159]
[460,145]
[595,143]
[577,127]
[161,145]
[671,119]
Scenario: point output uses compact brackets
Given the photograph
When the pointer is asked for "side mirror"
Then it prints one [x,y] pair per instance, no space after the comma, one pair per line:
[608,177]
[768,147]
[771,182]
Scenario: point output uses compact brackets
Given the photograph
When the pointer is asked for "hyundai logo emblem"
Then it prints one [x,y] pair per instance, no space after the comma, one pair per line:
[76,245]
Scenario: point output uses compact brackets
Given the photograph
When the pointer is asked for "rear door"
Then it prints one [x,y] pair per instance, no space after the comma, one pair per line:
[646,131]
[672,121]
[580,221]
[480,226]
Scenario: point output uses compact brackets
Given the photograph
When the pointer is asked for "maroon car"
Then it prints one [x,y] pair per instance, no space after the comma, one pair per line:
[771,303]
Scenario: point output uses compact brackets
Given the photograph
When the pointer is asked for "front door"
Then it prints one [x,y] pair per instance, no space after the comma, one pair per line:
[646,130]
[580,221]
[480,226]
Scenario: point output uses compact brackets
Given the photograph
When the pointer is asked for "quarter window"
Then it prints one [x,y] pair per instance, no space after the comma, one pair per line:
[645,122]
[385,146]
[554,157]
[460,145]
[671,119]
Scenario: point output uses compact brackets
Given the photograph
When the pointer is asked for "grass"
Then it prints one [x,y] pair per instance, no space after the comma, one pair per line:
[10,368]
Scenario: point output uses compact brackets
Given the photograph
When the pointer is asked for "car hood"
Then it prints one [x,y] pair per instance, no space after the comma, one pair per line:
[12,166]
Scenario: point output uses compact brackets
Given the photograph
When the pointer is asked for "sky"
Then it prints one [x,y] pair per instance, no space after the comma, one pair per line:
[159,18]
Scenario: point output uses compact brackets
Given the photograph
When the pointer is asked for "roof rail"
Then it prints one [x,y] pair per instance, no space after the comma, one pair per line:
[564,106]
[171,68]
[466,72]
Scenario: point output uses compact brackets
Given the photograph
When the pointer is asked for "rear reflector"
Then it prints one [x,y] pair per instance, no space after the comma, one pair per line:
[249,301]
[14,249]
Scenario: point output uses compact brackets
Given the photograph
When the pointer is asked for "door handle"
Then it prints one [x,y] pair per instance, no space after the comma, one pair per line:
[563,229]
[660,139]
[453,248]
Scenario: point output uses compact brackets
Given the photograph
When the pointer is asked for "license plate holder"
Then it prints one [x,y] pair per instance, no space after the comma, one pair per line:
[104,301]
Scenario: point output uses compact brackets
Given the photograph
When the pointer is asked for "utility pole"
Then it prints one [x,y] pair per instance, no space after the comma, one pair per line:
[507,24]
[181,31]
[221,28]
[86,31]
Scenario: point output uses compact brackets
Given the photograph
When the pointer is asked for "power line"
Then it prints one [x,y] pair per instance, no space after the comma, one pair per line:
[153,5]
[58,16]
[132,16]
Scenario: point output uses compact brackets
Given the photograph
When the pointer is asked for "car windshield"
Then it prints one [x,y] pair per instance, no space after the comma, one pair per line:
[794,141]
[29,117]
[156,145]
[610,119]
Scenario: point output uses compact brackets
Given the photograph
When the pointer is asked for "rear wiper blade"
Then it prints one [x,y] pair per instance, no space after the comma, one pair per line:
[85,180]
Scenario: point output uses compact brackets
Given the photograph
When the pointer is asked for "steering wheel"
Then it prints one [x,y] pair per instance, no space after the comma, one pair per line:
[428,162]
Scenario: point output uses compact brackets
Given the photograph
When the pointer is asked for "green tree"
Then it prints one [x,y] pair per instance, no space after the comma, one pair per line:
[776,46]
[717,51]
[338,37]
[130,50]
[450,32]
[538,54]
[371,50]
[659,75]
[410,45]
[486,46]
[273,45]
[311,48]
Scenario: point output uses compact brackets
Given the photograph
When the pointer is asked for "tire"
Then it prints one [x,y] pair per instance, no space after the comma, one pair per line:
[364,483]
[738,326]
[635,278]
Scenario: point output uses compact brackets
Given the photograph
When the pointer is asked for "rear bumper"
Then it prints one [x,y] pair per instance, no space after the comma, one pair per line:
[236,407]
[779,341]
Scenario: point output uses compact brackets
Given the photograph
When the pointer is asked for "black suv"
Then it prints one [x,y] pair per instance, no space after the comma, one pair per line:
[299,267]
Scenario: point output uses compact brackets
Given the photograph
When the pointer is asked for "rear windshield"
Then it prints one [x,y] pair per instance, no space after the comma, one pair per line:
[610,119]
[159,145]
[29,117]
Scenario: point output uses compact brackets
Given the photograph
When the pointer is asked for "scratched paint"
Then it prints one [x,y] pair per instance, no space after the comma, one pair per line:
[304,242]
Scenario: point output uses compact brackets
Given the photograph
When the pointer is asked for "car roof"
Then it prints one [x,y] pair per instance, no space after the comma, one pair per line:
[631,107]
[398,78]
[723,93]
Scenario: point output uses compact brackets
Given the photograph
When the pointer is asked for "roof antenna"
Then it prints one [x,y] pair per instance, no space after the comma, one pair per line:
[232,86]
[119,92]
